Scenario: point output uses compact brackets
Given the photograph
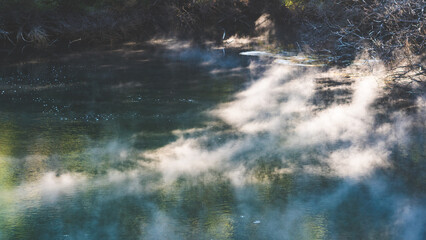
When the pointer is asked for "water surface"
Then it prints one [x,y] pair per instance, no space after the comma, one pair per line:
[192,144]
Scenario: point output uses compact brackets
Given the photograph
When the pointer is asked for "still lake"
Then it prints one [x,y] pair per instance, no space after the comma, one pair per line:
[193,144]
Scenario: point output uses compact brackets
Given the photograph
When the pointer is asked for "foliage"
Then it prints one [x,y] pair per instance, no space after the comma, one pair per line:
[382,27]
[386,28]
[43,23]
[393,31]
[69,5]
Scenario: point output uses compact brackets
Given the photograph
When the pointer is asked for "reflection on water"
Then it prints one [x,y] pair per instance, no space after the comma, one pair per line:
[196,145]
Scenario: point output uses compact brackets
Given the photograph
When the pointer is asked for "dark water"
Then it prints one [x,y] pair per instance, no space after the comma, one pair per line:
[191,144]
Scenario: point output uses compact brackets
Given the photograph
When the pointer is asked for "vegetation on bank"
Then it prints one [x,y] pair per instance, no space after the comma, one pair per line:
[46,23]
[391,30]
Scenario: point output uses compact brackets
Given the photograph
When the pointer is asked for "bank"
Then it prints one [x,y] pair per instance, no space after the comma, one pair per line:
[392,31]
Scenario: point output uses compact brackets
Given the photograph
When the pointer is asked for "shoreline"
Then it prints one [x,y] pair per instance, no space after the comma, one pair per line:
[32,32]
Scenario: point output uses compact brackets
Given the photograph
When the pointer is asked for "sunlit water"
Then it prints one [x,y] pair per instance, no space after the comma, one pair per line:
[190,144]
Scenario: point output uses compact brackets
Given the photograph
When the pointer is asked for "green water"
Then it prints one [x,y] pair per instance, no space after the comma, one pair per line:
[124,145]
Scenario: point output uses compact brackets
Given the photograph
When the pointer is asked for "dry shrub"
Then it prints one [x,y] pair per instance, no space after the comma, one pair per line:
[382,27]
[38,37]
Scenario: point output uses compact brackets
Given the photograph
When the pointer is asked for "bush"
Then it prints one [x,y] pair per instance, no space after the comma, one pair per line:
[384,28]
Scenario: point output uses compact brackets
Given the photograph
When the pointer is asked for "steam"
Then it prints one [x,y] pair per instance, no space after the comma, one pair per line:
[272,134]
[186,156]
[259,107]
[275,116]
[277,113]
[343,122]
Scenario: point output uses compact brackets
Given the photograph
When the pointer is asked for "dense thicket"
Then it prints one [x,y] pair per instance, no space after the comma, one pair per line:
[43,23]
[386,28]
[392,30]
